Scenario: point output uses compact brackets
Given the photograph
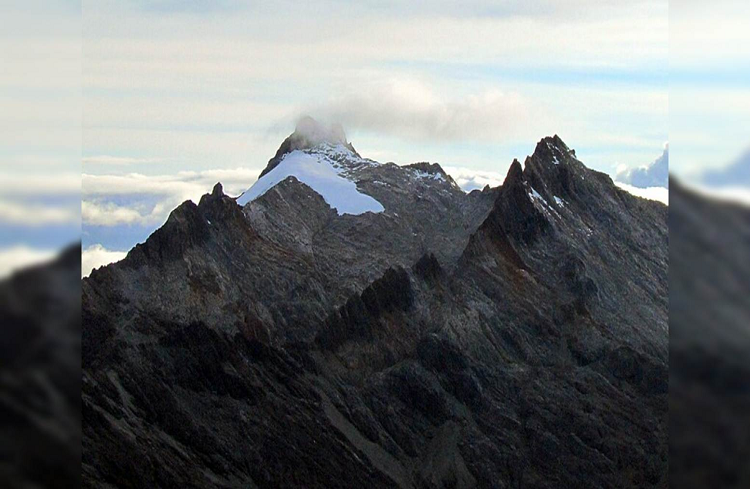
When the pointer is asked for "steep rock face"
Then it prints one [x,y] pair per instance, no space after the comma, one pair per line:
[512,337]
[597,247]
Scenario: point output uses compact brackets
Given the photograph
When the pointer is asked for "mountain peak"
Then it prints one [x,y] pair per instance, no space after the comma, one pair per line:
[308,134]
[515,173]
[552,148]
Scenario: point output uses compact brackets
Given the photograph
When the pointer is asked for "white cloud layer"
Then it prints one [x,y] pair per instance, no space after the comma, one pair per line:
[148,199]
[38,183]
[732,194]
[469,179]
[35,214]
[660,194]
[107,160]
[96,256]
[18,257]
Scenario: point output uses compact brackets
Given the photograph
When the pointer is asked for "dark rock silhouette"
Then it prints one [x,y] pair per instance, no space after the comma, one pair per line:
[709,342]
[40,374]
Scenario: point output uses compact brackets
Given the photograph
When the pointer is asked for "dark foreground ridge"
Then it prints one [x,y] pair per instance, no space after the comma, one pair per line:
[709,398]
[40,386]
[514,337]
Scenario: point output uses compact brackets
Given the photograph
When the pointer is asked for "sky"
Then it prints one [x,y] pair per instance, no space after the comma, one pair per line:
[178,95]
[40,130]
[709,96]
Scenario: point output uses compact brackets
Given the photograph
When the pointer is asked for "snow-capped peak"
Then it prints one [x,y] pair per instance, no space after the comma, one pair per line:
[310,134]
[327,169]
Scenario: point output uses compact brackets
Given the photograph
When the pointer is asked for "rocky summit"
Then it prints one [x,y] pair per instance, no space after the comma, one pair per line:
[407,334]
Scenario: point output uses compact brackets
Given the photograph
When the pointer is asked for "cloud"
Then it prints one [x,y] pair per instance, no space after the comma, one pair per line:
[110,214]
[660,194]
[39,184]
[96,256]
[736,174]
[469,179]
[118,160]
[655,174]
[18,257]
[734,194]
[112,200]
[368,8]
[36,214]
[188,184]
[39,198]
[489,70]
[413,110]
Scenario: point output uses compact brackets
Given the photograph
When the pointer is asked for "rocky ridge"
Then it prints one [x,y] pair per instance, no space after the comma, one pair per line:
[511,337]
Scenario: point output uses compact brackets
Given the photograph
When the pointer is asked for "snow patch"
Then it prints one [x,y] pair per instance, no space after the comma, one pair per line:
[320,171]
[423,175]
[536,196]
[559,201]
[553,150]
[542,204]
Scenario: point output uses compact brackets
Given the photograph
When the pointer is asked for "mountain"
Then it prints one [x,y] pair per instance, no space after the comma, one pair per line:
[510,337]
[736,174]
[709,341]
[655,174]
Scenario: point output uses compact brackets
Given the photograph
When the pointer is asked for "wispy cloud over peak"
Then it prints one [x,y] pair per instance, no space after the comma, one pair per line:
[412,110]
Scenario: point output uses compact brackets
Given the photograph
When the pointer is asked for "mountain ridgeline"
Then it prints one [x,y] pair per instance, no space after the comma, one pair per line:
[511,337]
